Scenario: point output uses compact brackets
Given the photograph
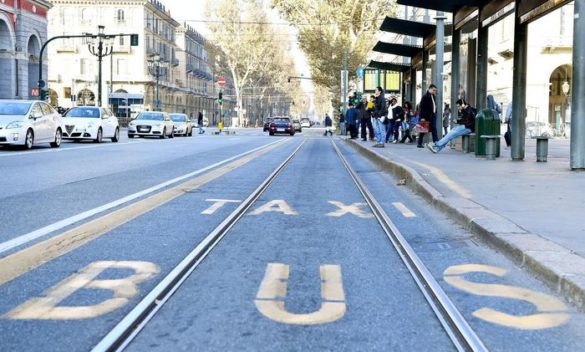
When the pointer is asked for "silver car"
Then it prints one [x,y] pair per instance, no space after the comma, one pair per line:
[182,124]
[151,124]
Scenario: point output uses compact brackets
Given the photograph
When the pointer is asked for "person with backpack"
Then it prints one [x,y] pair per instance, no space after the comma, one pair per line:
[379,116]
[465,125]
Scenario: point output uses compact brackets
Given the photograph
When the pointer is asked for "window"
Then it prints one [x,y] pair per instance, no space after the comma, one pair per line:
[83,66]
[121,40]
[47,110]
[86,15]
[36,110]
[120,15]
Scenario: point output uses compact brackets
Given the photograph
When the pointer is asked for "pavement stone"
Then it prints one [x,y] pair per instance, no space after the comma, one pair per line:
[528,210]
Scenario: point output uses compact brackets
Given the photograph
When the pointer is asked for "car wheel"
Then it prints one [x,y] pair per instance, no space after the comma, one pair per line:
[58,138]
[172,134]
[29,140]
[116,137]
[270,133]
[130,136]
[164,133]
[99,137]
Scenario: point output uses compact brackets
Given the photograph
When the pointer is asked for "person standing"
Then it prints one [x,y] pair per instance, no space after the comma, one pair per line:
[446,118]
[409,122]
[200,122]
[342,129]
[364,117]
[495,107]
[397,118]
[351,120]
[379,115]
[328,125]
[508,120]
[428,114]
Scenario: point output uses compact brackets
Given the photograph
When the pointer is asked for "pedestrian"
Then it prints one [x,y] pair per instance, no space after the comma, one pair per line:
[328,125]
[379,115]
[495,107]
[409,122]
[397,119]
[465,125]
[200,122]
[365,117]
[342,129]
[446,118]
[508,120]
[220,126]
[351,120]
[428,114]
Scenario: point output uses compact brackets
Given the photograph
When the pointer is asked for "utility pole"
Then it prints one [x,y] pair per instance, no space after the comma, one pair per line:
[439,66]
[100,52]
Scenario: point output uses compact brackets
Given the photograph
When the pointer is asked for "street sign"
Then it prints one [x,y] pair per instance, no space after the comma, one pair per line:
[360,72]
[34,92]
[221,81]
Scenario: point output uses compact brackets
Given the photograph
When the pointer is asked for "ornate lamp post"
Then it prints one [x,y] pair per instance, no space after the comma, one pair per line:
[156,69]
[100,46]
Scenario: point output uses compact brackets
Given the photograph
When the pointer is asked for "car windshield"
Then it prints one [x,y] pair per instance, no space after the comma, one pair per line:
[91,113]
[281,120]
[305,120]
[14,108]
[151,116]
[178,118]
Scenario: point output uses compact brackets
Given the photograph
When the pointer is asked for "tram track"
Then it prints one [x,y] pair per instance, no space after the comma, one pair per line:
[453,322]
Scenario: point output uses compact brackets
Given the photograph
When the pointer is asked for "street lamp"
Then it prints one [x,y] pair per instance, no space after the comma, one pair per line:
[102,48]
[156,70]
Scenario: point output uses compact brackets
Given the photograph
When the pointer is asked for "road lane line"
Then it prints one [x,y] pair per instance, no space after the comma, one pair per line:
[31,236]
[34,256]
[404,210]
[43,151]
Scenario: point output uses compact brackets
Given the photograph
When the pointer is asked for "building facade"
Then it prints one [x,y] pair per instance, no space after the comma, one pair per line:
[23,30]
[128,80]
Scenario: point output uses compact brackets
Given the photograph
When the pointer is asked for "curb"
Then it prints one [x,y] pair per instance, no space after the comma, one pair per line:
[559,267]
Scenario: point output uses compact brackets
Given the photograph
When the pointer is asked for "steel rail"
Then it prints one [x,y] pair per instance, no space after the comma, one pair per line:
[463,336]
[131,325]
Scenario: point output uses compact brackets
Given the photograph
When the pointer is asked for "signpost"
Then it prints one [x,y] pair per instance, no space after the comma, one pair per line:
[34,92]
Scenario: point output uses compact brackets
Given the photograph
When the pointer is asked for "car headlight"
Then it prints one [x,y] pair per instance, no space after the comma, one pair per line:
[14,124]
[132,124]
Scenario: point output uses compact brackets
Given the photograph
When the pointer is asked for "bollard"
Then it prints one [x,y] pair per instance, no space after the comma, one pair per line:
[465,143]
[541,149]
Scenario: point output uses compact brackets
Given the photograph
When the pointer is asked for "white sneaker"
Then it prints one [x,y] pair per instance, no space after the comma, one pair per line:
[432,148]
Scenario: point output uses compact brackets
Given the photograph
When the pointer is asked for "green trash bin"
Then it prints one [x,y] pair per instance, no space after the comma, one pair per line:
[486,124]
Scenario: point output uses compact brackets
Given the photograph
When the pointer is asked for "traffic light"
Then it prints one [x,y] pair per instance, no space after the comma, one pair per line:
[220,98]
[44,93]
[134,40]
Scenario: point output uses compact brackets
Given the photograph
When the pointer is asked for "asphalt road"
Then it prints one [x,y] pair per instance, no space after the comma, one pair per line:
[88,230]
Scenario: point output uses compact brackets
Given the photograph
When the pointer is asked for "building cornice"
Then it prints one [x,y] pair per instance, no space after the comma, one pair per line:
[43,3]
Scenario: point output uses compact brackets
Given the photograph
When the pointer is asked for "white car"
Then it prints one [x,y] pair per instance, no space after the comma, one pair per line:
[151,124]
[305,123]
[182,124]
[90,122]
[28,122]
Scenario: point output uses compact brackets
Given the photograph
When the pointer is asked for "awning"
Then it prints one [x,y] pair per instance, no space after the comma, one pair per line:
[443,5]
[125,99]
[397,49]
[389,66]
[410,28]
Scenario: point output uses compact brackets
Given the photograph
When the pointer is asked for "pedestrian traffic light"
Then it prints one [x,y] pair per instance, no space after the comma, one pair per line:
[44,94]
[134,40]
[220,98]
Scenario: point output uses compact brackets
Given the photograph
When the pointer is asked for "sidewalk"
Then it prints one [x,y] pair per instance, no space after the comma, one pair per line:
[534,212]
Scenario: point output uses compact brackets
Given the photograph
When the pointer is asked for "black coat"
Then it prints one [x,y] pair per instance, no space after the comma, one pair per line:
[328,121]
[380,108]
[426,110]
[200,119]
[397,113]
[468,118]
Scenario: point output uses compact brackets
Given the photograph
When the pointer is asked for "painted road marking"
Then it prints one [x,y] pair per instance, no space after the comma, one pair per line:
[58,150]
[272,292]
[31,236]
[31,257]
[47,308]
[217,204]
[404,210]
[443,178]
[354,209]
[279,206]
[552,312]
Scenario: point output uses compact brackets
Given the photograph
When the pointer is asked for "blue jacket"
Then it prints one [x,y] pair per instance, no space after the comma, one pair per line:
[351,116]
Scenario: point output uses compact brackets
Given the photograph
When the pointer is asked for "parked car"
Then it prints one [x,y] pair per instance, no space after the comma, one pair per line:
[281,125]
[297,126]
[27,122]
[151,123]
[182,124]
[267,123]
[305,123]
[90,123]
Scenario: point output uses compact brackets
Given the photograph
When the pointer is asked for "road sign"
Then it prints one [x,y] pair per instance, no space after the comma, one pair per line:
[221,81]
[360,72]
[34,92]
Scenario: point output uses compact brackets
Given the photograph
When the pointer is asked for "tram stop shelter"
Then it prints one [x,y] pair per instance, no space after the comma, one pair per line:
[470,15]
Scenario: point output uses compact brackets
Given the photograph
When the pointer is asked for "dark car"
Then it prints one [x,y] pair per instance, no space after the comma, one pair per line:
[267,123]
[281,125]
